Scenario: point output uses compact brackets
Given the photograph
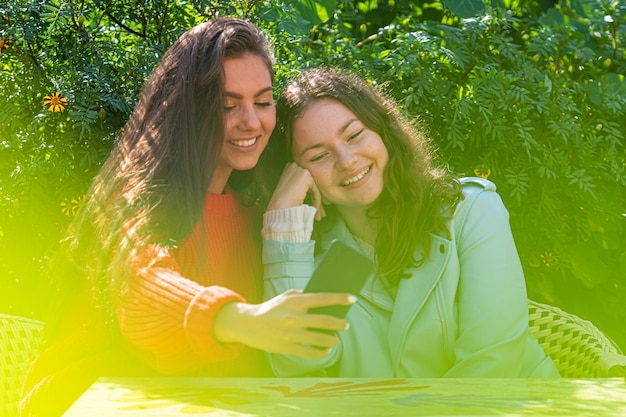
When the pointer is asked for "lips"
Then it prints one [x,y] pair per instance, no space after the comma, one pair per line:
[244,143]
[357,177]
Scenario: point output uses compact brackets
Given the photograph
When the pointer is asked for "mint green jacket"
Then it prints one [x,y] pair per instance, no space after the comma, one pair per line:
[462,313]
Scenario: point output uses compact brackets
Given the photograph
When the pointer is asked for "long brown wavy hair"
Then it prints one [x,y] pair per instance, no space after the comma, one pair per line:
[416,192]
[153,185]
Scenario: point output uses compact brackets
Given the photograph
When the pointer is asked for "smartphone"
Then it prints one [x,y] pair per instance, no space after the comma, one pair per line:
[342,269]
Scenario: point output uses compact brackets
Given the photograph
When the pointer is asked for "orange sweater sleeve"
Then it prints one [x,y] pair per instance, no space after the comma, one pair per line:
[168,318]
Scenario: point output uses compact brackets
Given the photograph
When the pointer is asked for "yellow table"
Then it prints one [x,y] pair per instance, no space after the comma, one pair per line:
[277,397]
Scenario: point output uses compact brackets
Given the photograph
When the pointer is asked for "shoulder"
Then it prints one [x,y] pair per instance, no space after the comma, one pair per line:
[473,185]
[479,195]
[474,188]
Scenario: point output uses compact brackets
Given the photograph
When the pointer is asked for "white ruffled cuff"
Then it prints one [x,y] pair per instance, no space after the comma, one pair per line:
[289,225]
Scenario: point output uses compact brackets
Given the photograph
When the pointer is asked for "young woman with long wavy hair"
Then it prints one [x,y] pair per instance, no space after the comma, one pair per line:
[448,297]
[160,273]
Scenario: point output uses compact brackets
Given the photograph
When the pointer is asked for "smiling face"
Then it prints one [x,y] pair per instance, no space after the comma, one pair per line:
[345,158]
[250,116]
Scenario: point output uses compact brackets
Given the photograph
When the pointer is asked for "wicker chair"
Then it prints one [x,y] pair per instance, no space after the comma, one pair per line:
[576,346]
[19,341]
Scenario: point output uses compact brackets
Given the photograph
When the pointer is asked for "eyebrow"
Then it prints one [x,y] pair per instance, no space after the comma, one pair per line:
[341,131]
[239,96]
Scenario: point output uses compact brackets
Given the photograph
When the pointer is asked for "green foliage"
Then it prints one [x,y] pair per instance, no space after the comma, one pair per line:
[465,8]
[97,54]
[532,93]
[540,102]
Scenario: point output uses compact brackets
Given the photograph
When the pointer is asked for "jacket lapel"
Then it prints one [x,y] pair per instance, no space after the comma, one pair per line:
[414,292]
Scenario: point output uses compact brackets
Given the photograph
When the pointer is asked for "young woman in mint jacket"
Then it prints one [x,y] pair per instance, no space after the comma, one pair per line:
[448,297]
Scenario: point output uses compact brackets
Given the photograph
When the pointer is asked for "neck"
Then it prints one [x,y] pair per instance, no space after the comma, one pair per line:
[360,225]
[220,179]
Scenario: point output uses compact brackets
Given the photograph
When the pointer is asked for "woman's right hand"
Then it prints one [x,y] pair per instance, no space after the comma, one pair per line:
[294,185]
[282,324]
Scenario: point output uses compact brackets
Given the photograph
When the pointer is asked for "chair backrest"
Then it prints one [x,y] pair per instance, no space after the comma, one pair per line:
[577,347]
[19,345]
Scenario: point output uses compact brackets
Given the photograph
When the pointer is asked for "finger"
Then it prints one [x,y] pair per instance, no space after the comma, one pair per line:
[310,352]
[292,188]
[290,167]
[325,322]
[324,299]
[316,199]
[322,211]
[313,337]
[304,342]
[321,340]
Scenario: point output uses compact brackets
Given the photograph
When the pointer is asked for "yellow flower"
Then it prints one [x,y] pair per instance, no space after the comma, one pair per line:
[56,102]
[69,208]
[482,171]
[4,45]
[548,259]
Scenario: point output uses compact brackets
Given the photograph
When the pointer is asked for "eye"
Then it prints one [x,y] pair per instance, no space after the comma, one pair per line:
[355,135]
[267,103]
[319,157]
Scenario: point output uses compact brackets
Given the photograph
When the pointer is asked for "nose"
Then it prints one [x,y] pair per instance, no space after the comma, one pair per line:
[346,159]
[249,119]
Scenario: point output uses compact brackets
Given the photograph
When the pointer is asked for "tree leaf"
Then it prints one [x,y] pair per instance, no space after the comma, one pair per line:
[587,266]
[585,8]
[465,8]
[316,11]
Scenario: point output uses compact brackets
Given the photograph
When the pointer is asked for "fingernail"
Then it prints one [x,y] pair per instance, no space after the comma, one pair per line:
[352,299]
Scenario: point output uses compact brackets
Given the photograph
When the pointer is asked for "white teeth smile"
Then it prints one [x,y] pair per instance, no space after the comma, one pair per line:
[243,143]
[356,177]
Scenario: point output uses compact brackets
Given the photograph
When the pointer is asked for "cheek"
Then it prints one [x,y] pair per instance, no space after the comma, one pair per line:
[269,120]
[229,122]
[383,158]
[267,112]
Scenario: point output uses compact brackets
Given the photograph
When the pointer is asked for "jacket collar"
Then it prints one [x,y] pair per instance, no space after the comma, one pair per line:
[413,291]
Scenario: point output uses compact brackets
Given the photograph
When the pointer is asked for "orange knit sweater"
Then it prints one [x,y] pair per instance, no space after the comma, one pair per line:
[165,315]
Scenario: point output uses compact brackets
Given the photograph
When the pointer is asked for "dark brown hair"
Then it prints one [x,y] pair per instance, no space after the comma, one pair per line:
[153,185]
[415,191]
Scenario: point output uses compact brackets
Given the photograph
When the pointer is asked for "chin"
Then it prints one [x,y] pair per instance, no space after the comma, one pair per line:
[245,167]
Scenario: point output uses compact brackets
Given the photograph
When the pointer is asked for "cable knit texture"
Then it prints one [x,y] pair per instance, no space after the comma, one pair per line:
[165,315]
[289,225]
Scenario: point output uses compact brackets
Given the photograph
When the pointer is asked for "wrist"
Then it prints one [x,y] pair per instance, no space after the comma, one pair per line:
[228,322]
[290,225]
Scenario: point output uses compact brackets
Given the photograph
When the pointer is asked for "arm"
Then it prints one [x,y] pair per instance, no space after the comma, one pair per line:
[288,257]
[168,318]
[176,324]
[492,297]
